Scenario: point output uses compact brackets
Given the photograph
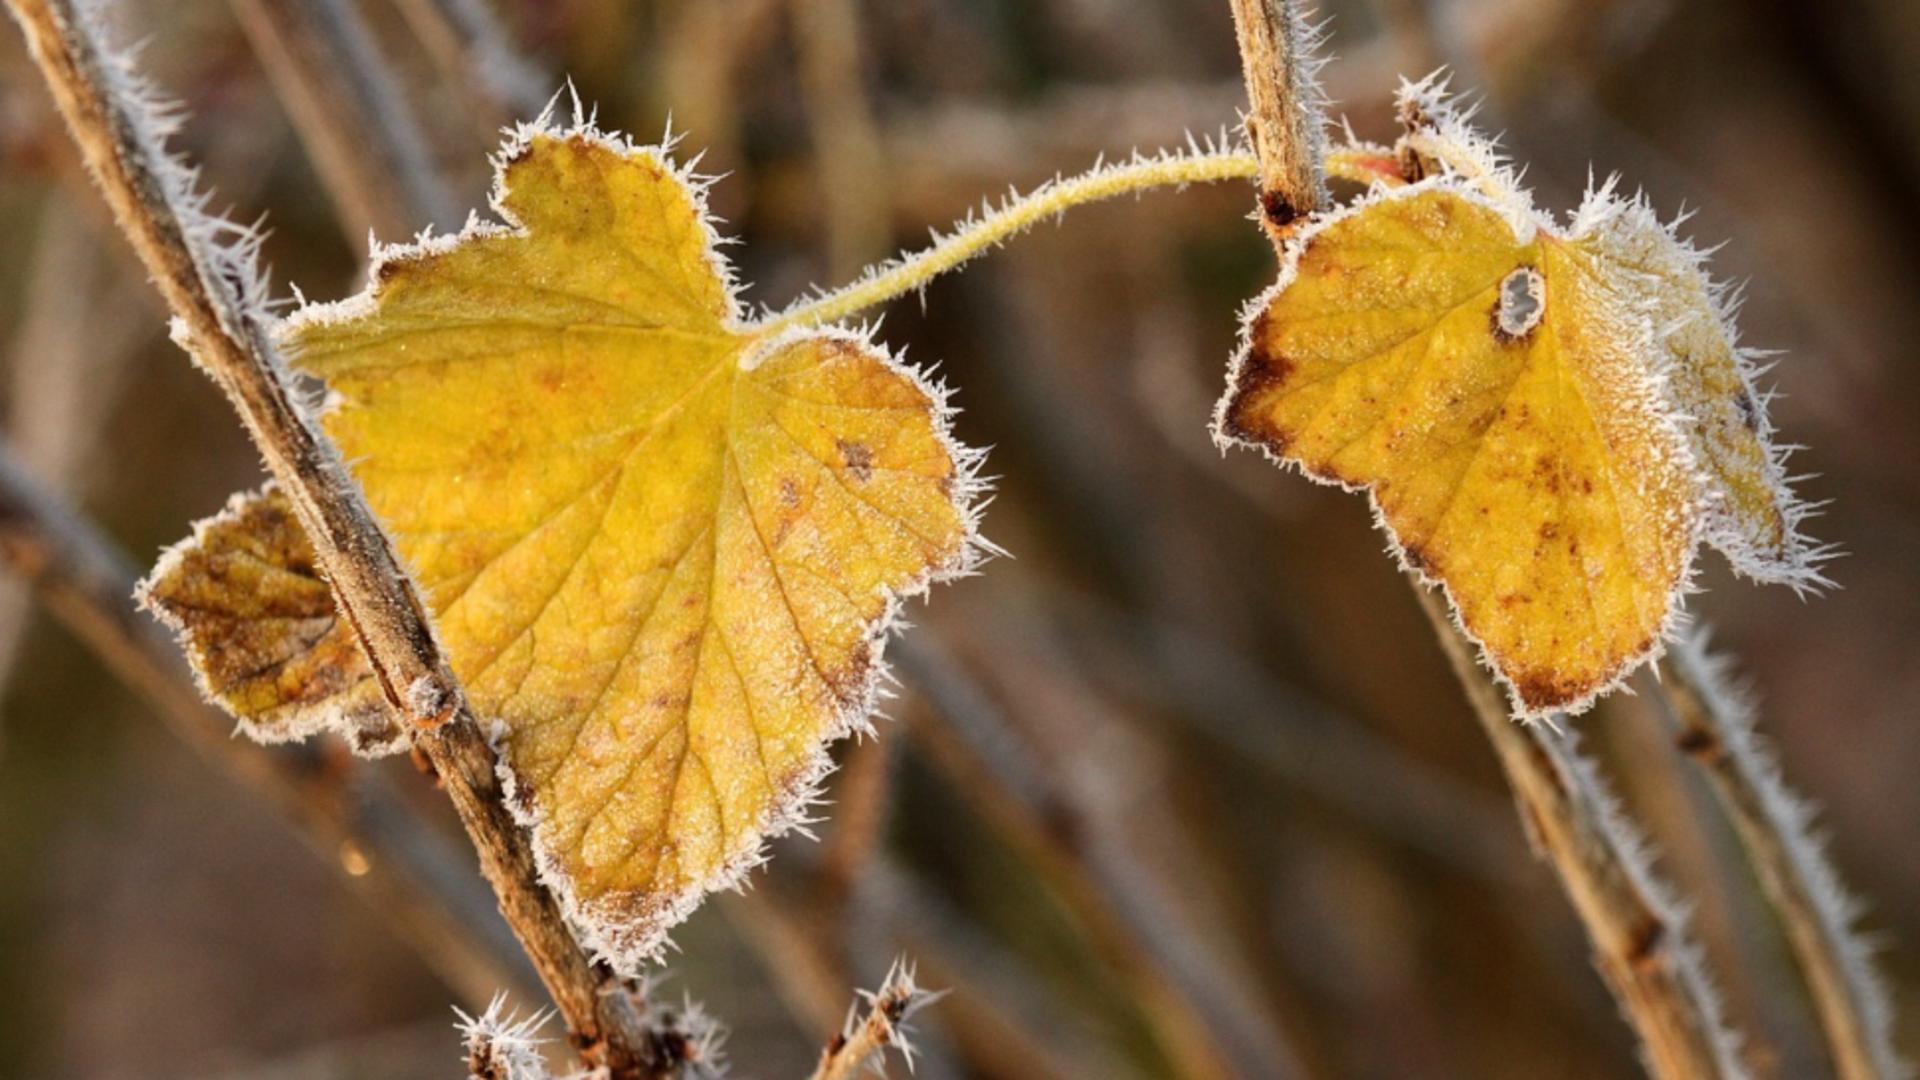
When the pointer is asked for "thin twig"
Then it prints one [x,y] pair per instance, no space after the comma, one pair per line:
[1204,684]
[1636,927]
[67,371]
[862,801]
[861,1041]
[215,293]
[979,234]
[1004,1020]
[1714,725]
[350,114]
[350,819]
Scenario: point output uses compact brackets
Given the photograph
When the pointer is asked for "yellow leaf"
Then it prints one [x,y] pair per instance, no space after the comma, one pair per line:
[260,629]
[1547,420]
[662,549]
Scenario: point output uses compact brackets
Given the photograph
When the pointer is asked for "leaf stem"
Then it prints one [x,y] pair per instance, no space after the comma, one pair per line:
[1714,726]
[206,269]
[977,235]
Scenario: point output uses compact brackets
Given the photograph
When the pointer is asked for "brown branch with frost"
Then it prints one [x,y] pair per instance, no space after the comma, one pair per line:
[1636,927]
[350,819]
[1714,725]
[206,269]
[350,114]
[1284,97]
[864,1040]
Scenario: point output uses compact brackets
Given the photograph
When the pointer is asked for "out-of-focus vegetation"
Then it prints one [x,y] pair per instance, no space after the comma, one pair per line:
[1227,767]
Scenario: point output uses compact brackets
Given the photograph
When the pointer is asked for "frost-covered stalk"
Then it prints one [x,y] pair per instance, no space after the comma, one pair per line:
[981,232]
[1714,724]
[862,1040]
[1277,47]
[470,43]
[207,270]
[1636,925]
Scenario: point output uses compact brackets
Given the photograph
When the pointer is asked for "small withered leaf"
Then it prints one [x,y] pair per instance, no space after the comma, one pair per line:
[259,627]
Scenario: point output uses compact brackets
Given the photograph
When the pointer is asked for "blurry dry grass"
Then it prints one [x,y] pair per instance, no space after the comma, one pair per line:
[1198,675]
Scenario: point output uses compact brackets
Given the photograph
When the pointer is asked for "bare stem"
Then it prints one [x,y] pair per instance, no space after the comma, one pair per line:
[214,292]
[348,817]
[1714,725]
[1637,930]
[1003,1018]
[1285,117]
[864,1039]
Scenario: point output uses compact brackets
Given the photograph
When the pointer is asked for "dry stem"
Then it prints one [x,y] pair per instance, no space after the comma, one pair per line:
[848,153]
[470,43]
[213,296]
[1284,121]
[1714,726]
[863,1040]
[1636,930]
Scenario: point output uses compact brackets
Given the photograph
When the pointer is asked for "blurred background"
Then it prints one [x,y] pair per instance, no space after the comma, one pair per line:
[1186,781]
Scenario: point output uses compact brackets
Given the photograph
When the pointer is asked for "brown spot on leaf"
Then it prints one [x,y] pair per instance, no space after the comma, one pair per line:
[1539,690]
[1416,557]
[857,458]
[848,683]
[1263,372]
